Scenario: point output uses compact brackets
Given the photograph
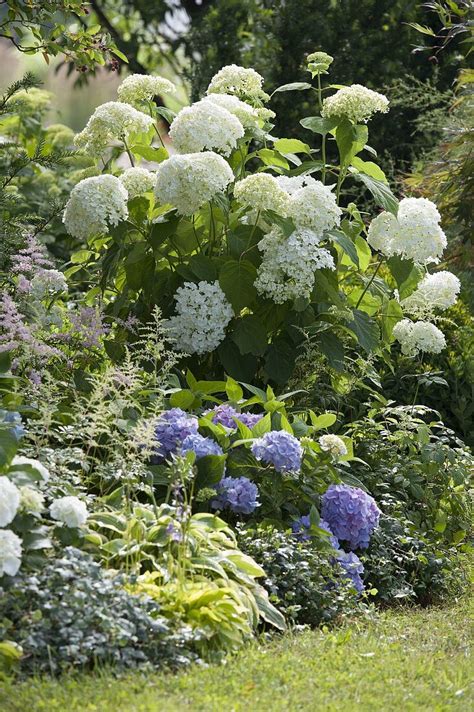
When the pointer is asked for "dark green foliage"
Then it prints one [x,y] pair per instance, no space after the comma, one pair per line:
[73,613]
[303,582]
[403,565]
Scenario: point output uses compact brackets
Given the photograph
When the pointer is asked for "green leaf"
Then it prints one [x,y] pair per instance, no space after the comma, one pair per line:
[233,390]
[237,279]
[242,368]
[272,158]
[210,470]
[81,257]
[366,330]
[182,399]
[268,611]
[8,446]
[345,243]
[350,140]
[263,426]
[392,312]
[369,168]
[380,191]
[280,361]
[322,421]
[203,267]
[291,145]
[250,335]
[318,125]
[293,86]
[333,348]
[163,229]
[149,153]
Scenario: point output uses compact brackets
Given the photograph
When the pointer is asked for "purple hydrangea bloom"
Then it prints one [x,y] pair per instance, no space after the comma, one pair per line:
[238,494]
[200,445]
[225,414]
[353,568]
[279,448]
[351,513]
[172,428]
[302,525]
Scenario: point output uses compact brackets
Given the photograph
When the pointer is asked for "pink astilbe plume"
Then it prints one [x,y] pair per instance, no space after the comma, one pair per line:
[28,261]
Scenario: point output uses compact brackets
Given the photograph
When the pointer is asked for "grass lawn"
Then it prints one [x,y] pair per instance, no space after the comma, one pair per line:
[404,660]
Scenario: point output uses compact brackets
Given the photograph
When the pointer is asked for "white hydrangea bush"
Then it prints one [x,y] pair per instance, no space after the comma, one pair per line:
[230,221]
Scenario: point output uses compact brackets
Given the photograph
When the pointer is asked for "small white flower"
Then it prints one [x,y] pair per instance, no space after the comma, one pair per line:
[333,444]
[48,282]
[246,114]
[19,460]
[137,181]
[414,234]
[110,122]
[203,313]
[138,88]
[205,126]
[189,181]
[239,81]
[356,103]
[10,553]
[31,500]
[95,204]
[71,511]
[435,291]
[418,336]
[9,501]
[262,192]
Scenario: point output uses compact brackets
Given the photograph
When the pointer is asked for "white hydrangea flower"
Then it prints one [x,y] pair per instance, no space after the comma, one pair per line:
[203,314]
[19,460]
[95,204]
[9,501]
[314,206]
[435,291]
[356,103]
[137,181]
[246,114]
[288,266]
[291,184]
[71,511]
[333,444]
[111,122]
[48,282]
[262,192]
[205,126]
[414,234]
[240,81]
[10,553]
[139,88]
[31,500]
[418,336]
[190,180]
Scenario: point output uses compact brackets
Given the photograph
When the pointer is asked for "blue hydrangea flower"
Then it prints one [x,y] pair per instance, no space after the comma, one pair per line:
[280,449]
[238,494]
[225,414]
[302,525]
[200,445]
[353,568]
[351,513]
[172,428]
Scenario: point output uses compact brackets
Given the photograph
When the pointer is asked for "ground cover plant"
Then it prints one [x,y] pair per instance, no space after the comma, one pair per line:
[195,446]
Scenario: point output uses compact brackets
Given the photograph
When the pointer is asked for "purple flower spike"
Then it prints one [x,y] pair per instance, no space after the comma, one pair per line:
[351,513]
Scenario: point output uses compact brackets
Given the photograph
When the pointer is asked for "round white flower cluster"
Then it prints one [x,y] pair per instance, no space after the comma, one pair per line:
[10,553]
[205,125]
[246,114]
[190,180]
[435,291]
[291,184]
[356,103]
[203,313]
[418,336]
[137,181]
[111,121]
[333,444]
[70,511]
[262,192]
[288,266]
[414,234]
[139,88]
[314,206]
[20,460]
[9,501]
[244,83]
[94,204]
[31,500]
[48,282]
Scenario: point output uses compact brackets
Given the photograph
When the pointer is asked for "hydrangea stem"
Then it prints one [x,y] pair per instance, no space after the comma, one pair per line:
[381,259]
[129,153]
[323,138]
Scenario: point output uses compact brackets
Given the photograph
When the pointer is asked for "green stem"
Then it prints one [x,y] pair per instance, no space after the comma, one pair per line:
[340,181]
[381,259]
[323,138]
[196,236]
[159,135]
[212,230]
[128,152]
